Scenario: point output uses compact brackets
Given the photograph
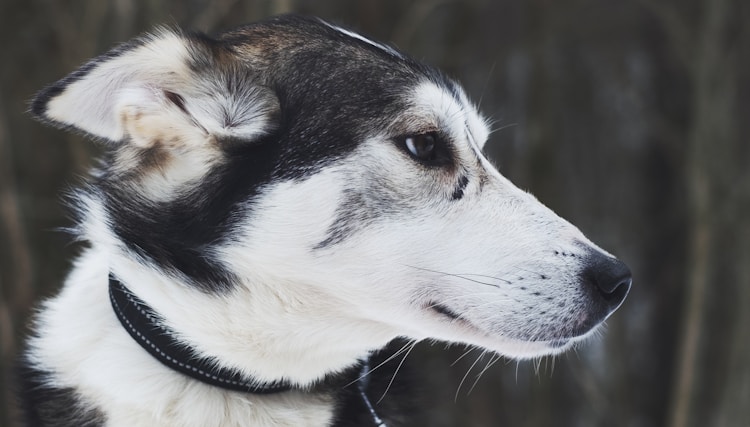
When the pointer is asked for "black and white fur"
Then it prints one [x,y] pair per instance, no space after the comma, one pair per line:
[290,197]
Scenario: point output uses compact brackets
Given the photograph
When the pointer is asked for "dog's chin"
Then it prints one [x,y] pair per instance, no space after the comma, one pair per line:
[512,347]
[522,350]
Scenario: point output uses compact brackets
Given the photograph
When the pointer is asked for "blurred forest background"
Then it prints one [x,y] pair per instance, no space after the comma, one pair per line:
[630,118]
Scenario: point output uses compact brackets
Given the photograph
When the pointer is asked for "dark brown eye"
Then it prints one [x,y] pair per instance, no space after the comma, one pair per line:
[421,146]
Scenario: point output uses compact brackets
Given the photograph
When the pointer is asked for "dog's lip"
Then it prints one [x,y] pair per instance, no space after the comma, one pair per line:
[554,344]
[499,341]
[453,317]
[445,311]
[457,319]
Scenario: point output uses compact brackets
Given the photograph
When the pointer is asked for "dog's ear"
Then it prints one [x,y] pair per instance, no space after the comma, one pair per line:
[166,87]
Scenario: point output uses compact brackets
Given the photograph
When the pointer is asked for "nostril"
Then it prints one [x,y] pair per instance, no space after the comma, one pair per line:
[611,277]
[617,293]
[614,277]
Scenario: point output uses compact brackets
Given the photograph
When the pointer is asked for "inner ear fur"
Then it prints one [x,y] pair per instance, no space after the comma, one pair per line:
[164,86]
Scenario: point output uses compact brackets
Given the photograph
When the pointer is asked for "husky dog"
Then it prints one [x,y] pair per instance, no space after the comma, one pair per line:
[278,202]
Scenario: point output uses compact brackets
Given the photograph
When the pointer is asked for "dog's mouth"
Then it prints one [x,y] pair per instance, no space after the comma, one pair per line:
[550,346]
[445,311]
[455,318]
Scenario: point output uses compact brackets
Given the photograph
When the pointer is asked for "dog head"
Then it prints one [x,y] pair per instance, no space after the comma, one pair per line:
[295,179]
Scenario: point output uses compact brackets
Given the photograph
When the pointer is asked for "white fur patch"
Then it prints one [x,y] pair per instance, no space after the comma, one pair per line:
[458,116]
[88,349]
[149,96]
[483,269]
[127,96]
[89,103]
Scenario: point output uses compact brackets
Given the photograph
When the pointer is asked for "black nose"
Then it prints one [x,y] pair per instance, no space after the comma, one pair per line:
[610,277]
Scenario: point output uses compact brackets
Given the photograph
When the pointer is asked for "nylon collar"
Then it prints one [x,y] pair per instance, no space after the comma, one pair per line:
[147,329]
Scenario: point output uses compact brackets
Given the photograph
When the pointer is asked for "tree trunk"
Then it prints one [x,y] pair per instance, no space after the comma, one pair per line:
[714,341]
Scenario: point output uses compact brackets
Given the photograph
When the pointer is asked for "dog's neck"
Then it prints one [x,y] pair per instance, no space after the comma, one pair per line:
[146,327]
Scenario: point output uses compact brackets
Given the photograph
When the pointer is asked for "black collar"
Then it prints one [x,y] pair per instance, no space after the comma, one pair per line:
[147,329]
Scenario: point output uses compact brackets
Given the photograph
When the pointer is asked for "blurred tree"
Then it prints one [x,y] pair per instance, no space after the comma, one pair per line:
[627,117]
[712,384]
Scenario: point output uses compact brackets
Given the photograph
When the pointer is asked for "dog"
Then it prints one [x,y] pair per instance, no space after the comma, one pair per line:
[276,203]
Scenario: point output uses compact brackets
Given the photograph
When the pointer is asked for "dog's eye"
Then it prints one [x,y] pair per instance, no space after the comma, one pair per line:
[421,146]
[428,148]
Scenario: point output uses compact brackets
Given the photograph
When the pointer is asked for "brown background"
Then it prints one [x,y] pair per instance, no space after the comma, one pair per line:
[628,117]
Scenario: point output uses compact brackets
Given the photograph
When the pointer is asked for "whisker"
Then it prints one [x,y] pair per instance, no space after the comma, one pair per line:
[461,276]
[552,371]
[492,361]
[537,365]
[486,83]
[398,368]
[462,356]
[501,128]
[391,357]
[458,390]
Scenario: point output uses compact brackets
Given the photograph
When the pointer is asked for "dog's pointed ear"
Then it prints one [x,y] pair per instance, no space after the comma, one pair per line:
[167,86]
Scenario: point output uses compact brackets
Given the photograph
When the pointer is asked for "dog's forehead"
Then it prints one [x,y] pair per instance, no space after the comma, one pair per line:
[336,75]
[289,34]
[294,48]
[335,85]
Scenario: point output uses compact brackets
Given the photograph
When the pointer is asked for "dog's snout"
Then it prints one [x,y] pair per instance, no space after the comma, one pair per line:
[611,278]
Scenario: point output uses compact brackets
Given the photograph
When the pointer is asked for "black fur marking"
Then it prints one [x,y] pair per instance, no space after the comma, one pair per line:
[179,235]
[176,99]
[397,407]
[352,214]
[46,405]
[458,193]
[333,91]
[329,94]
